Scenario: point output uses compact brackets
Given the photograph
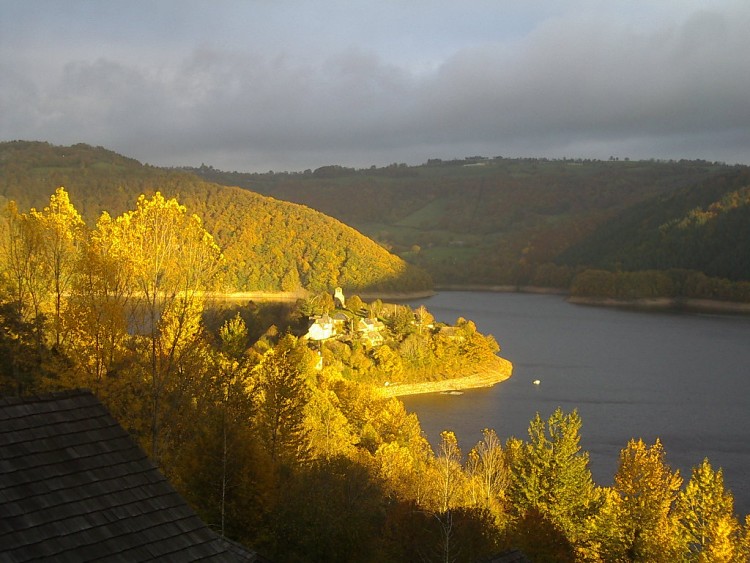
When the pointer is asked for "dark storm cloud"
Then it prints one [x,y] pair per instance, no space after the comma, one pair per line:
[574,81]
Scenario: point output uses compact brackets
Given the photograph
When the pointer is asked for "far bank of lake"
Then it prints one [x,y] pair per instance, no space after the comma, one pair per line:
[667,304]
[656,304]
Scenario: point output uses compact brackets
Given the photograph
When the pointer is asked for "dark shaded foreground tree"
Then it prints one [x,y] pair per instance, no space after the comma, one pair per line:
[227,478]
[330,510]
[282,396]
[466,534]
[23,364]
[223,470]
[540,539]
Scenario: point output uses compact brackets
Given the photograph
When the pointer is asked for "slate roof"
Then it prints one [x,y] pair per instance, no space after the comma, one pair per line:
[75,487]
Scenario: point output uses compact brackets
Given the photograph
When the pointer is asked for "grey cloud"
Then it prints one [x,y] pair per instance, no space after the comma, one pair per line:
[602,83]
[589,86]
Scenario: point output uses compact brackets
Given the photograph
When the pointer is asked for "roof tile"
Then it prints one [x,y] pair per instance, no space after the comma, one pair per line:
[74,487]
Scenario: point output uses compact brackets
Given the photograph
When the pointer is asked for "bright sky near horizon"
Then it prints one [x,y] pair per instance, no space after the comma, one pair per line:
[261,85]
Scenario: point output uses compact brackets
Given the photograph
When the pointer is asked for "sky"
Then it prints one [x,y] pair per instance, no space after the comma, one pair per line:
[259,85]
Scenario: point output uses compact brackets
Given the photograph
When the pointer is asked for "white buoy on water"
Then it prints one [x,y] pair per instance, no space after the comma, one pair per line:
[536,382]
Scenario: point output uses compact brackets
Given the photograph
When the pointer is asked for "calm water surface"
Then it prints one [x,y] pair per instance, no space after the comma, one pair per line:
[684,378]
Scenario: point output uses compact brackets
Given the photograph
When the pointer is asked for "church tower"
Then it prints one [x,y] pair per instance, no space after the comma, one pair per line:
[338,298]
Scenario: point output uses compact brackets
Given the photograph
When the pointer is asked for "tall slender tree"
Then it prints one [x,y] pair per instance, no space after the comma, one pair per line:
[99,309]
[488,472]
[24,269]
[706,512]
[283,395]
[449,476]
[645,493]
[60,231]
[174,262]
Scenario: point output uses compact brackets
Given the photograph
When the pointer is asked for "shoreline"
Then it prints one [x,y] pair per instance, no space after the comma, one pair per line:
[667,304]
[292,296]
[503,288]
[475,381]
[645,304]
[679,304]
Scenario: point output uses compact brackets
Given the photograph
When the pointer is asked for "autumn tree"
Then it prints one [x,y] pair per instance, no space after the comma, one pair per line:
[220,468]
[22,368]
[230,393]
[399,319]
[706,512]
[330,510]
[474,345]
[450,483]
[174,262]
[60,229]
[550,474]
[317,304]
[388,363]
[328,429]
[645,493]
[375,309]
[423,319]
[488,473]
[24,269]
[406,471]
[282,397]
[355,305]
[99,309]
[418,355]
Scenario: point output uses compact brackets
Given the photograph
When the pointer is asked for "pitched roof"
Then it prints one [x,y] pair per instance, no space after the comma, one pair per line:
[75,487]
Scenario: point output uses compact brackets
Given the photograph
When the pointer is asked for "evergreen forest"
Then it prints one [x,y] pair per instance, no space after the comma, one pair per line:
[286,445]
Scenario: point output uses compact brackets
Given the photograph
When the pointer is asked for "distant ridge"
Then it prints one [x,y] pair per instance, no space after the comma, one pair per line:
[523,222]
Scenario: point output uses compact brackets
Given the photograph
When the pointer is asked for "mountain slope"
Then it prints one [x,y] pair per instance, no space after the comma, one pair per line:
[491,221]
[703,227]
[269,244]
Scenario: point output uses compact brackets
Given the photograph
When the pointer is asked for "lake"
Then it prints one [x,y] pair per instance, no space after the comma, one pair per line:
[684,378]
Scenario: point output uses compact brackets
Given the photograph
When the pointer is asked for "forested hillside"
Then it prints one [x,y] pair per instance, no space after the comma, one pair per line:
[703,227]
[510,221]
[268,244]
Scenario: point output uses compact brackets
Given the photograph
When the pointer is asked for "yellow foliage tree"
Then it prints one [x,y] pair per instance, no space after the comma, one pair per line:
[97,316]
[174,262]
[60,230]
[24,268]
[488,474]
[328,429]
[646,491]
[449,476]
[706,512]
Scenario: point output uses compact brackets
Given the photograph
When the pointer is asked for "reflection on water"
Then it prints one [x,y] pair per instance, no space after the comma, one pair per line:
[683,378]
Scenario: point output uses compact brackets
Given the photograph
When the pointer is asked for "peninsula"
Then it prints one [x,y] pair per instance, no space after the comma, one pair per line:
[473,381]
